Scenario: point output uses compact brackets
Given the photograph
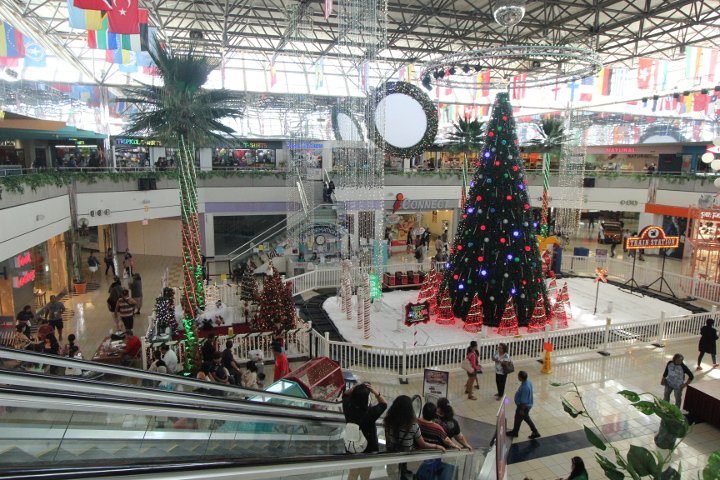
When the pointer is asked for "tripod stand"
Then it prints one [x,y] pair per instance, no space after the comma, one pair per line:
[631,284]
[661,279]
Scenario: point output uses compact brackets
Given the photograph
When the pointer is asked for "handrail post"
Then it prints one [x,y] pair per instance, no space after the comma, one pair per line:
[659,342]
[403,365]
[326,348]
[606,339]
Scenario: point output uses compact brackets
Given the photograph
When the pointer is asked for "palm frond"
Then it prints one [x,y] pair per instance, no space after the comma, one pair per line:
[467,134]
[552,134]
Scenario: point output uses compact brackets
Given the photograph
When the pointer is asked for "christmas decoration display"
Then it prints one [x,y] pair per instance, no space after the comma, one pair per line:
[566,301]
[445,315]
[346,288]
[366,307]
[360,306]
[600,277]
[552,289]
[248,287]
[277,310]
[474,319]
[212,295]
[539,317]
[495,253]
[544,230]
[546,263]
[164,314]
[428,290]
[509,321]
[559,315]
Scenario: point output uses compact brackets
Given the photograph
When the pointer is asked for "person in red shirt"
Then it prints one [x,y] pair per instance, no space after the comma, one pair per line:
[282,367]
[132,347]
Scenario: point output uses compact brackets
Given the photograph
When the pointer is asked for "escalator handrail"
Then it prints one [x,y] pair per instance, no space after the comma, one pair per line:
[253,468]
[54,360]
[43,399]
[98,387]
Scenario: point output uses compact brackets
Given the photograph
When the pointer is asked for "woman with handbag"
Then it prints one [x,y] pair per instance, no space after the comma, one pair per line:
[503,366]
[472,368]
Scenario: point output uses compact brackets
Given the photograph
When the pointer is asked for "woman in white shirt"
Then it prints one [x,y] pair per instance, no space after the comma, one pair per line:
[170,358]
[500,356]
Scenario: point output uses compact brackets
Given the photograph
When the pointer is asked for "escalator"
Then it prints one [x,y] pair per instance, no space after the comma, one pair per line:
[51,434]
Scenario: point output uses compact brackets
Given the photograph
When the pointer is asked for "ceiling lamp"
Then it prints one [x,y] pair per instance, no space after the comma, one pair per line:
[508,13]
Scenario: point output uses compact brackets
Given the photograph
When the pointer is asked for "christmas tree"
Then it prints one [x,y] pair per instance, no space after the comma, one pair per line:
[539,317]
[495,253]
[474,319]
[248,287]
[552,289]
[277,309]
[445,314]
[428,291]
[566,301]
[559,314]
[509,322]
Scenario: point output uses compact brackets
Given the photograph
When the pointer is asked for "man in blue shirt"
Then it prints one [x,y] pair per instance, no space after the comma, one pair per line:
[523,404]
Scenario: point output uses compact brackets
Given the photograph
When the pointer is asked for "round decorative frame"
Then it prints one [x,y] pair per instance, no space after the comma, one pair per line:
[336,111]
[427,106]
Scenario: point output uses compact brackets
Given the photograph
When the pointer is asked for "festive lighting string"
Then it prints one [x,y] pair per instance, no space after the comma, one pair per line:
[571,175]
[495,253]
[545,195]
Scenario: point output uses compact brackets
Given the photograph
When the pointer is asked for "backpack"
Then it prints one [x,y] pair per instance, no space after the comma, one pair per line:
[355,441]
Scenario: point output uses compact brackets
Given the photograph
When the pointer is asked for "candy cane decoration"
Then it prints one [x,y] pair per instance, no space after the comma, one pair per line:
[346,289]
[366,309]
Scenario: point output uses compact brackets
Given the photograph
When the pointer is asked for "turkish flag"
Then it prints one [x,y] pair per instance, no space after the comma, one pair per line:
[93,4]
[646,69]
[124,17]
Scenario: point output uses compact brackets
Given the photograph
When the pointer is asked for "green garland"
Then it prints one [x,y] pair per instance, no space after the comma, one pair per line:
[336,111]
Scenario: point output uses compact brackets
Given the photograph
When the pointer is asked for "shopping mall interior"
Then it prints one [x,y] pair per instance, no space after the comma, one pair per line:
[230,229]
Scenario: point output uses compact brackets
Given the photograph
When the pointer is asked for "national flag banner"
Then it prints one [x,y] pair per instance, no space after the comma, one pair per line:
[124,17]
[35,55]
[661,80]
[709,63]
[121,57]
[604,80]
[587,86]
[327,9]
[518,86]
[273,75]
[410,72]
[687,104]
[693,58]
[618,82]
[319,74]
[646,71]
[12,44]
[84,19]
[482,81]
[9,62]
[401,74]
[103,38]
[93,4]
[700,102]
[572,86]
[62,87]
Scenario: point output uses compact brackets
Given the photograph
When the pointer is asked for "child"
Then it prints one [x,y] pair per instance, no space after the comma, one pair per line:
[70,350]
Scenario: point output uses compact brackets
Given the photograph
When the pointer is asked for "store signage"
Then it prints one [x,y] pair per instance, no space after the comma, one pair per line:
[23,279]
[304,146]
[417,313]
[403,203]
[709,214]
[629,202]
[22,260]
[435,383]
[652,237]
[620,150]
[375,286]
[138,142]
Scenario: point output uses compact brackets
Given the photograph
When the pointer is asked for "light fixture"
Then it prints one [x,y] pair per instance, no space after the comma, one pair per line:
[466,68]
[508,13]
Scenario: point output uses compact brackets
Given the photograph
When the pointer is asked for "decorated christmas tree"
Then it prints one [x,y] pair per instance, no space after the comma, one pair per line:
[552,290]
[276,311]
[165,313]
[212,296]
[428,290]
[495,253]
[539,317]
[445,314]
[474,319]
[566,300]
[248,287]
[559,314]
[509,321]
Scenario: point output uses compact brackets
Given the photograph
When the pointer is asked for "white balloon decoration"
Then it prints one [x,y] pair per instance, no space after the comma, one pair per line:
[707,157]
[716,141]
[717,182]
[715,164]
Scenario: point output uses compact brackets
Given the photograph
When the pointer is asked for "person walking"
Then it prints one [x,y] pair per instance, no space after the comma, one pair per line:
[125,309]
[357,409]
[110,262]
[282,367]
[115,294]
[708,336]
[501,359]
[93,265]
[472,356]
[673,378]
[136,292]
[54,311]
[523,405]
[128,264]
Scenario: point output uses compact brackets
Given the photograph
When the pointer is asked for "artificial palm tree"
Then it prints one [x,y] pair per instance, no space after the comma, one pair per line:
[552,137]
[467,135]
[182,114]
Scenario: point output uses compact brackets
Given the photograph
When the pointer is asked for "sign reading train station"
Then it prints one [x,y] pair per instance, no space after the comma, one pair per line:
[652,237]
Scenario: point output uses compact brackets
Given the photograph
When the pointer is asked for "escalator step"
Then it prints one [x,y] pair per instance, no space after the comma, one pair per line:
[15,456]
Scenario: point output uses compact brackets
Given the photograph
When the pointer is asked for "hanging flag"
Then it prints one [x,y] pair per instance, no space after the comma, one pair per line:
[124,17]
[604,80]
[661,80]
[125,59]
[34,54]
[93,4]
[700,102]
[410,72]
[319,74]
[11,42]
[482,81]
[587,85]
[572,86]
[693,57]
[273,75]
[618,82]
[518,86]
[328,9]
[709,64]
[401,74]
[9,62]
[103,38]
[646,71]
[84,19]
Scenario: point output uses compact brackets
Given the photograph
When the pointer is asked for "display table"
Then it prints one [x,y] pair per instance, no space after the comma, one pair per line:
[110,352]
[702,400]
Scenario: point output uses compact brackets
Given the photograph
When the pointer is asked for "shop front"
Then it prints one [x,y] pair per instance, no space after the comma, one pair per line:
[307,156]
[636,158]
[75,152]
[408,221]
[137,152]
[30,277]
[247,155]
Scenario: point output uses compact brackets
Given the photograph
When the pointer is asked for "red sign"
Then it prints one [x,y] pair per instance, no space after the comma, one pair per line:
[713,149]
[652,237]
[709,214]
[20,281]
[620,150]
[22,260]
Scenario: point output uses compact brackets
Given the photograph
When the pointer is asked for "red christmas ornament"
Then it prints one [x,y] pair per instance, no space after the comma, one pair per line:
[502,240]
[539,316]
[478,198]
[497,163]
[508,197]
[475,317]
[491,134]
[445,315]
[504,117]
[509,322]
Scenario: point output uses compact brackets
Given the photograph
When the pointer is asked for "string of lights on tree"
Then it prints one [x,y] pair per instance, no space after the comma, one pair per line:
[276,311]
[495,254]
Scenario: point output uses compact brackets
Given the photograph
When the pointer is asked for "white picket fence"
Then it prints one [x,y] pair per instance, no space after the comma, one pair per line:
[408,361]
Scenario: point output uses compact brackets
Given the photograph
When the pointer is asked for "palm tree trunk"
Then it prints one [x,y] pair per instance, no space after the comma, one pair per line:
[193,299]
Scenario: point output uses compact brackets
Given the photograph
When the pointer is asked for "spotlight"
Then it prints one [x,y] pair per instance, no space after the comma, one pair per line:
[426,82]
[536,64]
[466,68]
[644,101]
[717,88]
[656,97]
[441,73]
[704,91]
[685,93]
[478,67]
[452,70]
[436,75]
[676,95]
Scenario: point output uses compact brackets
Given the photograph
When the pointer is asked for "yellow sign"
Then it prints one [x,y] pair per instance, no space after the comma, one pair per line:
[652,237]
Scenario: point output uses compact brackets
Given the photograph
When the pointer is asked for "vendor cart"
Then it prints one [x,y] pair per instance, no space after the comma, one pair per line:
[320,379]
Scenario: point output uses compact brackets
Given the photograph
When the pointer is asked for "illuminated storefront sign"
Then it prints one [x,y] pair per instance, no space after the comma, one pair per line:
[22,260]
[620,150]
[652,237]
[23,279]
[304,146]
[403,203]
[137,142]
